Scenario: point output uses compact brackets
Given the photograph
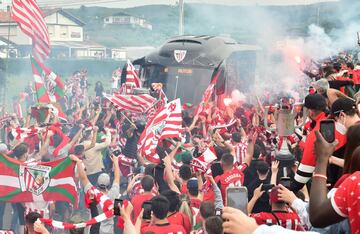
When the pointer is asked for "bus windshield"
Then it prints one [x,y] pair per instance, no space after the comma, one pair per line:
[187,83]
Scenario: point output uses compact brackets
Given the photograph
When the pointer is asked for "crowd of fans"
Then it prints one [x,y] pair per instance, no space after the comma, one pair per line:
[318,192]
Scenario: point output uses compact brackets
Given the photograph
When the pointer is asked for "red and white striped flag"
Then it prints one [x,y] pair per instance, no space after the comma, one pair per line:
[133,103]
[166,124]
[207,95]
[132,78]
[31,21]
[203,162]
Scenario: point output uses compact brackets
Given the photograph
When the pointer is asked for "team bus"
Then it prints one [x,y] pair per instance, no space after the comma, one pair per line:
[186,65]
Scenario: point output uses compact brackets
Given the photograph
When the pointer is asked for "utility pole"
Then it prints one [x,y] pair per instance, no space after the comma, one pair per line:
[4,70]
[181,17]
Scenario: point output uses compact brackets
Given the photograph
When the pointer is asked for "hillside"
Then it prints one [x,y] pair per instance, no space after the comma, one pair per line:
[246,24]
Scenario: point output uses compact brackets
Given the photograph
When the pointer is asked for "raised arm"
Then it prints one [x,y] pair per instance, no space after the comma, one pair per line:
[115,161]
[274,172]
[81,170]
[250,149]
[322,213]
[93,140]
[257,194]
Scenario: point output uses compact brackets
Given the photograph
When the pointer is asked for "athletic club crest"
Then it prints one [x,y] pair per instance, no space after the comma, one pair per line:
[49,82]
[157,128]
[34,178]
[179,55]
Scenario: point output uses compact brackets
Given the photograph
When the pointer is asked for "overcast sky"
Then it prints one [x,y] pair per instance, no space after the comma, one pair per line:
[132,3]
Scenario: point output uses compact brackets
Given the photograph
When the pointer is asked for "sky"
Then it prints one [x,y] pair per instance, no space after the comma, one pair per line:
[133,3]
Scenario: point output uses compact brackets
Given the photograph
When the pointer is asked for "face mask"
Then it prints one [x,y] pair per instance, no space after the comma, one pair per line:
[340,127]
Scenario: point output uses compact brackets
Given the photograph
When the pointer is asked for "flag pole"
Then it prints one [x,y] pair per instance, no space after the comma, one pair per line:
[132,123]
[157,101]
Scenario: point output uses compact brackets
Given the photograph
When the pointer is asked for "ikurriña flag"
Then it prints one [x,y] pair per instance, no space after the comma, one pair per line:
[33,181]
[49,86]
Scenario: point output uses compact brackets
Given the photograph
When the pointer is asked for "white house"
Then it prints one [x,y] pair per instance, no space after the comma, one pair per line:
[66,34]
[127,20]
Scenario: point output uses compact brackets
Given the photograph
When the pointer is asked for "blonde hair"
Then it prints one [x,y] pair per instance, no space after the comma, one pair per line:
[185,208]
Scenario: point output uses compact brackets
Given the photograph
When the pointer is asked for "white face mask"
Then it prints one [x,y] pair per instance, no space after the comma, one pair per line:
[340,127]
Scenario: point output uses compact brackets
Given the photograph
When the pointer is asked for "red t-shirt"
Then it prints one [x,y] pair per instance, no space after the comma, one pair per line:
[233,178]
[180,219]
[184,189]
[346,201]
[288,220]
[137,202]
[166,228]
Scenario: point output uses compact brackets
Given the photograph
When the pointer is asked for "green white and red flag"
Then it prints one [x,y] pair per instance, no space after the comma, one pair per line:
[49,86]
[37,181]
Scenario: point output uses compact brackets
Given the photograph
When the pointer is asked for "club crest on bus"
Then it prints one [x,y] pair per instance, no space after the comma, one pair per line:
[34,178]
[179,55]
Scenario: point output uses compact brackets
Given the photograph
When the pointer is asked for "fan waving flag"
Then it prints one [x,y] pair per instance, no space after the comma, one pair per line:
[49,86]
[134,103]
[166,124]
[132,79]
[207,95]
[29,182]
[31,21]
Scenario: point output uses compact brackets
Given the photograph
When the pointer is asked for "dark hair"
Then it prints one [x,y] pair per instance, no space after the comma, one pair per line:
[79,149]
[257,151]
[227,160]
[185,172]
[213,225]
[355,161]
[207,209]
[147,183]
[262,167]
[236,136]
[174,199]
[20,150]
[337,66]
[353,141]
[160,206]
[31,217]
[149,169]
[300,195]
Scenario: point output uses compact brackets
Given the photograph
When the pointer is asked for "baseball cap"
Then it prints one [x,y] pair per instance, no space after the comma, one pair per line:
[103,180]
[274,195]
[315,102]
[342,105]
[192,184]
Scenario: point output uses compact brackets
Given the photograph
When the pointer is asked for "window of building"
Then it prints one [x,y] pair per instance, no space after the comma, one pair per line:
[63,31]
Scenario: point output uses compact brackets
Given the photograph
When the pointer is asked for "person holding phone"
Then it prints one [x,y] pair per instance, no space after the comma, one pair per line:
[147,183]
[316,106]
[233,176]
[281,214]
[159,223]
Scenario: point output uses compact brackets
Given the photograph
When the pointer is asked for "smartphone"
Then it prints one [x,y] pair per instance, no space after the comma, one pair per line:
[116,153]
[267,187]
[285,181]
[237,197]
[147,210]
[116,206]
[327,130]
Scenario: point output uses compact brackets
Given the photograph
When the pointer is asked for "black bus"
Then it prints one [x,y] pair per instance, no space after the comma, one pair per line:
[186,65]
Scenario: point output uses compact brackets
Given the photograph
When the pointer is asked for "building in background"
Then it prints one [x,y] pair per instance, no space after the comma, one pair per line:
[66,34]
[127,20]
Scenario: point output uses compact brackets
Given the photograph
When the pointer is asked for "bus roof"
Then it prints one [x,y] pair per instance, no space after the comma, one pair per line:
[199,51]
